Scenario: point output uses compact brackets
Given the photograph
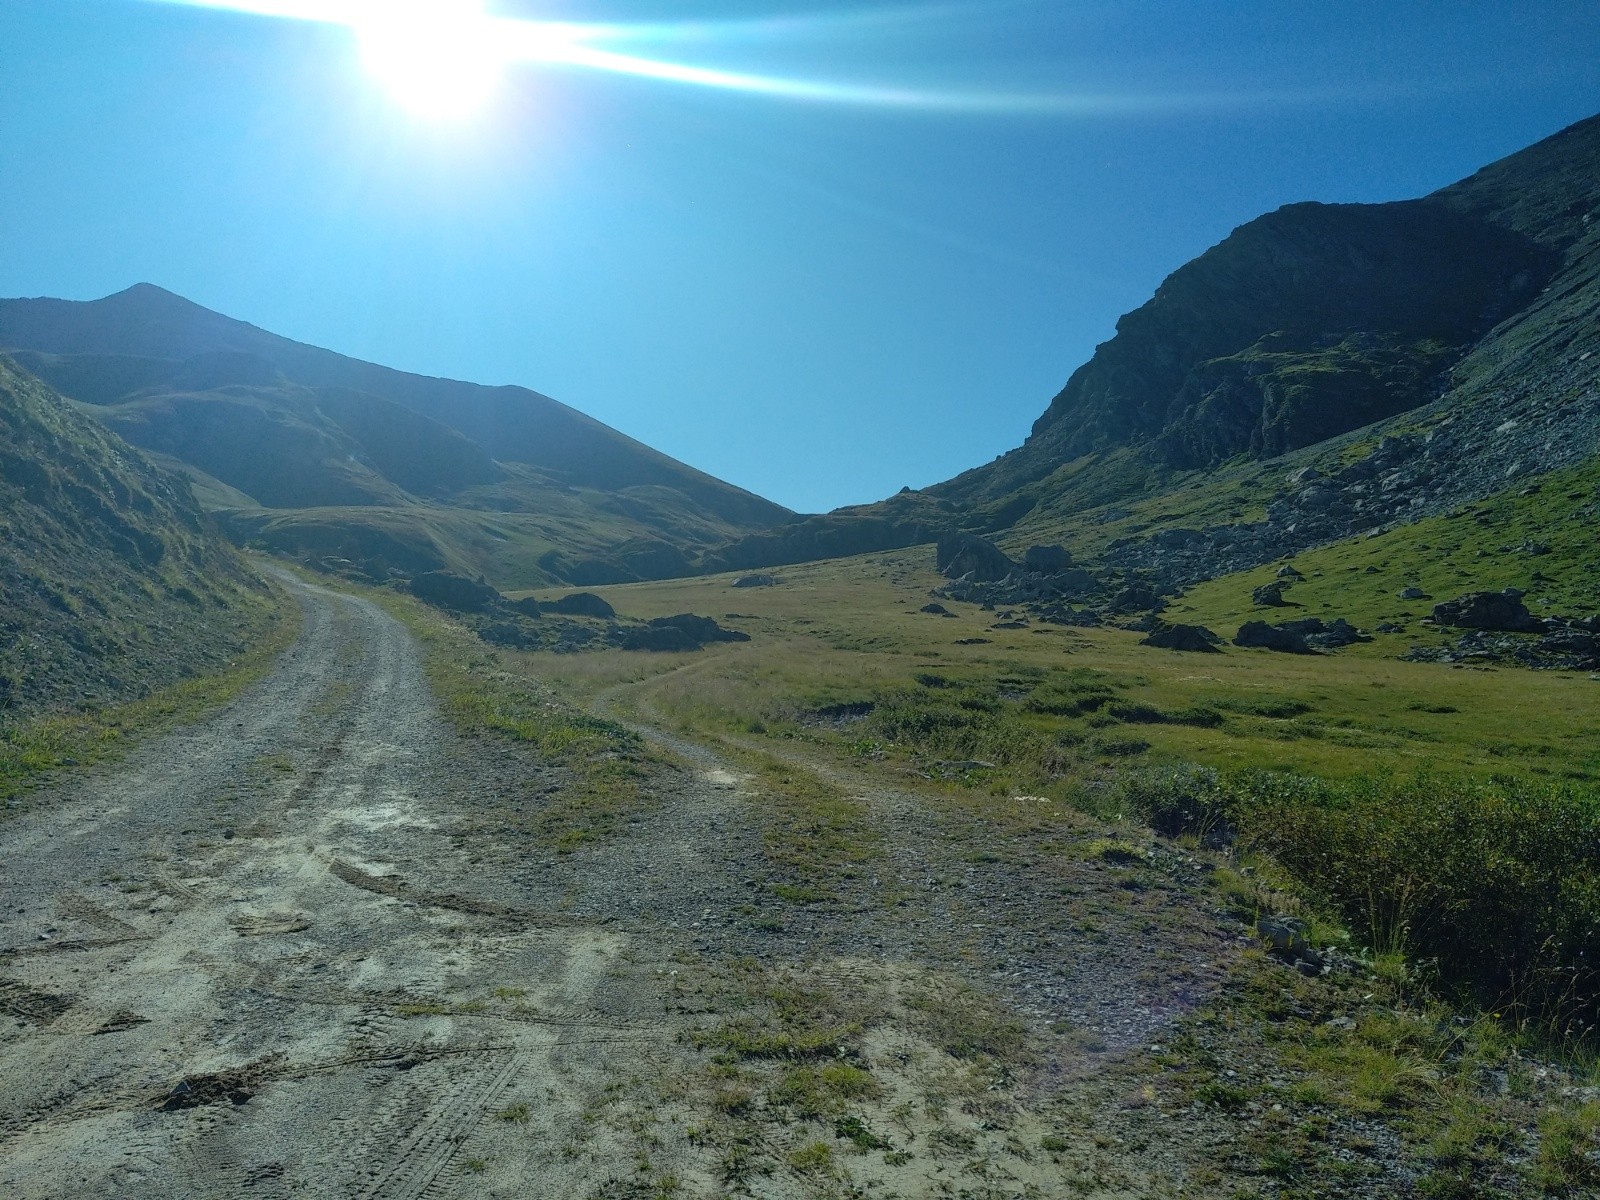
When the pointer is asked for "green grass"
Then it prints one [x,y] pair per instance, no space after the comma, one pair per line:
[1476,548]
[1048,707]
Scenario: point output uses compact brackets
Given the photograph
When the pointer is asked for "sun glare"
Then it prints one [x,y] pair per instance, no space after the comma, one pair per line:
[438,58]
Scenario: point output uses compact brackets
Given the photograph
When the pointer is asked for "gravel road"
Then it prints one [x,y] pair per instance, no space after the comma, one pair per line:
[251,961]
[306,948]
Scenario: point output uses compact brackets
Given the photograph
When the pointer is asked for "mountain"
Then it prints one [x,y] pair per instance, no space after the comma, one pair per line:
[1462,325]
[314,453]
[113,583]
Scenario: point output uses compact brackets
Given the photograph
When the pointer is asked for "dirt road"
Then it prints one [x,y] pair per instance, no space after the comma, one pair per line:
[307,948]
[250,961]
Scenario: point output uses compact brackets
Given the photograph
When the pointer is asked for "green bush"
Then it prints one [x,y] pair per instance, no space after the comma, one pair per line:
[1493,882]
[1179,801]
[1496,882]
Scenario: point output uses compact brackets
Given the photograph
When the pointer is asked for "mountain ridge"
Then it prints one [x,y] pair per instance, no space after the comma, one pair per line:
[309,452]
[1298,332]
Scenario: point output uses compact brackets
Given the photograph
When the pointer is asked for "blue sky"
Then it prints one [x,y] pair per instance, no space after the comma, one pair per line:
[819,301]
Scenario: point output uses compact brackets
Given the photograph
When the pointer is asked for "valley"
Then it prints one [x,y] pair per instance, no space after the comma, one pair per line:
[345,938]
[415,788]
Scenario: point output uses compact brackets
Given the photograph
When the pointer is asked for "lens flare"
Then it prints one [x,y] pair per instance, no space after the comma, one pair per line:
[445,58]
[437,58]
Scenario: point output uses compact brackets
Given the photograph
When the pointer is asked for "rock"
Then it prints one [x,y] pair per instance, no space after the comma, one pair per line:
[1268,595]
[701,629]
[1046,560]
[1194,638]
[445,589]
[1285,934]
[1391,627]
[937,610]
[686,631]
[1330,635]
[1498,611]
[754,581]
[966,554]
[580,604]
[1072,582]
[1136,598]
[527,607]
[1260,635]
[1414,593]
[516,634]
[1288,572]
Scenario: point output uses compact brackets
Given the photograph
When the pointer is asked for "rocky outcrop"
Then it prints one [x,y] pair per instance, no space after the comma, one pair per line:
[1259,635]
[1566,644]
[1308,635]
[683,632]
[580,604]
[1046,560]
[445,589]
[1192,638]
[1498,611]
[966,555]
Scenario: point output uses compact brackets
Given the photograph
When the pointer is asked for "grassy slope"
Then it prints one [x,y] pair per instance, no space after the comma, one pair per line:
[114,584]
[1477,547]
[848,631]
[322,440]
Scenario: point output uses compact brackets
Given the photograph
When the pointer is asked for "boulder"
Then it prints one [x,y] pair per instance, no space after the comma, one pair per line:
[966,554]
[1499,611]
[1268,595]
[937,610]
[1260,635]
[1285,934]
[1329,635]
[445,589]
[1046,560]
[664,638]
[580,604]
[1413,593]
[1288,572]
[1196,638]
[751,581]
[701,629]
[527,606]
[1136,598]
[1074,581]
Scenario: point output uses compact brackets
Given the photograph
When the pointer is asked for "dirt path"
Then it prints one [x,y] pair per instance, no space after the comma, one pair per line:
[307,948]
[1066,939]
[252,961]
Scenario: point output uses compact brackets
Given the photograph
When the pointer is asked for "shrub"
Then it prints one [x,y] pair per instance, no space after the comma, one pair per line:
[1496,882]
[1179,801]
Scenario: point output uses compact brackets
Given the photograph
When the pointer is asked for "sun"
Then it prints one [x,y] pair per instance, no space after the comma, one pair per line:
[437,58]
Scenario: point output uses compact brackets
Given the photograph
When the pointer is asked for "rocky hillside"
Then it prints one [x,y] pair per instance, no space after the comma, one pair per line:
[1324,370]
[112,581]
[317,454]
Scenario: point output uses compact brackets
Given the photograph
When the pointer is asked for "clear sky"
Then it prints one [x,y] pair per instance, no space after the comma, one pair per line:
[821,297]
